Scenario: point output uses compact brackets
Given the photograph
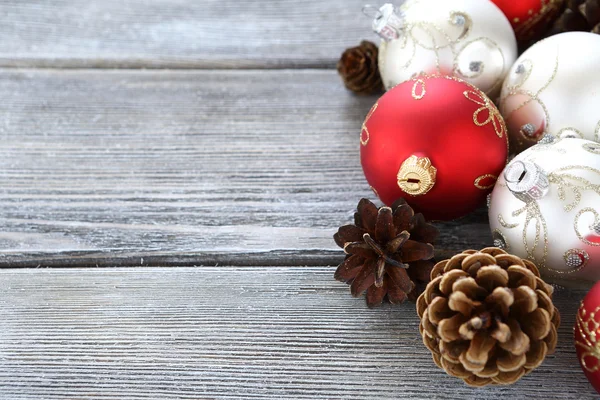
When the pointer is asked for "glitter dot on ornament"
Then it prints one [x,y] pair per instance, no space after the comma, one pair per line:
[528,130]
[596,228]
[547,139]
[475,66]
[459,20]
[576,258]
[500,240]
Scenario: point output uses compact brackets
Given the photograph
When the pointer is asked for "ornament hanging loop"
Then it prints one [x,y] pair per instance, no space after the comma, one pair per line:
[371,11]
[526,180]
[387,21]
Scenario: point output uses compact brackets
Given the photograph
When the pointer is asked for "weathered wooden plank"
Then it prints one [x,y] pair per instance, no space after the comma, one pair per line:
[167,167]
[179,33]
[190,333]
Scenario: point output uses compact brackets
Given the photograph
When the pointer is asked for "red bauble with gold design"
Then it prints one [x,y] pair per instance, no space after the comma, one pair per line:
[530,18]
[436,141]
[587,336]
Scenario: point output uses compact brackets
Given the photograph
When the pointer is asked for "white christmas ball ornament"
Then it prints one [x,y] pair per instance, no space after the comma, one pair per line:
[554,87]
[546,207]
[471,39]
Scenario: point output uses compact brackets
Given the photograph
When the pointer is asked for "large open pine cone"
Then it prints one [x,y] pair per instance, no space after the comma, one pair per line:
[389,252]
[487,317]
[579,15]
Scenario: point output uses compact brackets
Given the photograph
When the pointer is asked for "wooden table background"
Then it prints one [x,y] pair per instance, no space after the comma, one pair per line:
[171,174]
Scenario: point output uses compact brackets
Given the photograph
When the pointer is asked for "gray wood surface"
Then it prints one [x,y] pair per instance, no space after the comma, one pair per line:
[230,332]
[179,33]
[242,163]
[175,167]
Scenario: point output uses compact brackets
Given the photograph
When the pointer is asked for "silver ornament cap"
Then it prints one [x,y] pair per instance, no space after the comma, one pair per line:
[526,180]
[387,20]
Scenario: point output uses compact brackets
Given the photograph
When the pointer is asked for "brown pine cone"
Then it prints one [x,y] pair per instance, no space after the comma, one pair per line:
[359,69]
[579,15]
[389,252]
[487,317]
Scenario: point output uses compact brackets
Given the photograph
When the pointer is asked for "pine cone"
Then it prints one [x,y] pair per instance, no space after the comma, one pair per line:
[359,69]
[487,317]
[388,252]
[579,15]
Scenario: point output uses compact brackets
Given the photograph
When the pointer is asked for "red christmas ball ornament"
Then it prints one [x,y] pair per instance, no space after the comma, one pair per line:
[530,18]
[436,141]
[587,336]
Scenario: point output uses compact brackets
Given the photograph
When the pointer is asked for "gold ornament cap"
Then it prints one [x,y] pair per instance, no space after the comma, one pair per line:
[416,176]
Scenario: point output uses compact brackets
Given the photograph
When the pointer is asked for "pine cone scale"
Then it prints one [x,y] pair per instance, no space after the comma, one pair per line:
[400,278]
[396,243]
[396,295]
[384,227]
[415,251]
[363,280]
[348,233]
[349,268]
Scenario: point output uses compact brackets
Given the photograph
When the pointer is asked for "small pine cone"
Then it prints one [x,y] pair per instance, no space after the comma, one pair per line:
[389,253]
[579,15]
[359,69]
[487,317]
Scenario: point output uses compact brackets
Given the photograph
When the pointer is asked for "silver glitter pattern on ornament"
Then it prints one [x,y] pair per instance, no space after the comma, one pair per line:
[520,69]
[576,259]
[592,148]
[500,240]
[596,228]
[526,180]
[475,66]
[570,133]
[459,20]
[528,130]
[547,139]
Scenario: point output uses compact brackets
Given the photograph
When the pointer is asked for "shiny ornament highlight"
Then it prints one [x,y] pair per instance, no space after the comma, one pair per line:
[553,88]
[546,205]
[436,141]
[470,39]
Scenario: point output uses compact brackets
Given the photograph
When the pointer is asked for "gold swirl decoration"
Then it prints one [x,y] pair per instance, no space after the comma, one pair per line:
[480,179]
[418,89]
[583,211]
[493,115]
[589,330]
[364,133]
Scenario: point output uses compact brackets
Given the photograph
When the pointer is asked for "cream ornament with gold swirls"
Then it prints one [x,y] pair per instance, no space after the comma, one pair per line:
[554,87]
[471,39]
[546,207]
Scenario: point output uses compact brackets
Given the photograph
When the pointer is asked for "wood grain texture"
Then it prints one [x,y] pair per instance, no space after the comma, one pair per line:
[224,333]
[179,33]
[183,167]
